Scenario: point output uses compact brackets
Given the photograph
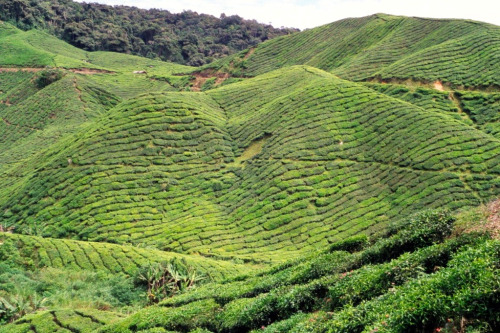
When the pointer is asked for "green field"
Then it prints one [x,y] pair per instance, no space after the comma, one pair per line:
[325,181]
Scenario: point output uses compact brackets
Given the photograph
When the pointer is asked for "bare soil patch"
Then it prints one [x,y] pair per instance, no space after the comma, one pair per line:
[493,222]
[250,52]
[438,85]
[201,77]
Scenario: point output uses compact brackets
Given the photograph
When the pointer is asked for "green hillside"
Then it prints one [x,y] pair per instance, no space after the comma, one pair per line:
[341,179]
[50,89]
[36,252]
[384,47]
[289,161]
[37,49]
[414,278]
[411,280]
[185,38]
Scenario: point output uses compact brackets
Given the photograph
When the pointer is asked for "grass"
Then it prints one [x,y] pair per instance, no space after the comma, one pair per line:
[251,151]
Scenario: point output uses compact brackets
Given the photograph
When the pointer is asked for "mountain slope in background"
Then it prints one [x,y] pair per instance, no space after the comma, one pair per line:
[384,47]
[186,38]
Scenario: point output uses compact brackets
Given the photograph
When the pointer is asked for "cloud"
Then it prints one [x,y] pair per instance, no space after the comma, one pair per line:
[308,14]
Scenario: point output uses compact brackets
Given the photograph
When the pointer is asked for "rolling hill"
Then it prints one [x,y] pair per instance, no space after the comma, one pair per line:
[384,47]
[291,178]
[290,160]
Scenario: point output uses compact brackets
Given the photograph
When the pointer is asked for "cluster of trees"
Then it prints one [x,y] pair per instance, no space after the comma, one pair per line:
[187,38]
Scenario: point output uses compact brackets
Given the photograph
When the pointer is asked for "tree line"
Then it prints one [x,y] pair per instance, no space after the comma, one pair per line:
[187,38]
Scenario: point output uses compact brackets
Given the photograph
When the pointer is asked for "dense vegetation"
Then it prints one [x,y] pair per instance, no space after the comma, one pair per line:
[186,38]
[143,196]
[262,185]
[419,275]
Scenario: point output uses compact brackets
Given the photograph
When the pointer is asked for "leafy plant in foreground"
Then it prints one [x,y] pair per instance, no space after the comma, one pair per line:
[167,279]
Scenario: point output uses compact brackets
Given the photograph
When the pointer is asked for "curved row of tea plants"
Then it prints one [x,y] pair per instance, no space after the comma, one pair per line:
[34,253]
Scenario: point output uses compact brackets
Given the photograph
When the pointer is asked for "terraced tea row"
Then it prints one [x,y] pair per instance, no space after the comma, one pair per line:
[120,74]
[41,117]
[63,321]
[35,253]
[479,109]
[286,162]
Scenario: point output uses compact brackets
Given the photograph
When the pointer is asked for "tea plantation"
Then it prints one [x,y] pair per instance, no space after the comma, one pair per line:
[458,52]
[341,179]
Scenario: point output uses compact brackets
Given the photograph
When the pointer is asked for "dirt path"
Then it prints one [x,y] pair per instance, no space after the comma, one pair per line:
[89,71]
[438,84]
[493,225]
[78,91]
[21,69]
[252,50]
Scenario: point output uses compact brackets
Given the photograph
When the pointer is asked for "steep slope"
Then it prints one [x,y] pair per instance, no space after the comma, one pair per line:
[45,115]
[37,49]
[113,181]
[34,51]
[458,52]
[288,161]
[49,89]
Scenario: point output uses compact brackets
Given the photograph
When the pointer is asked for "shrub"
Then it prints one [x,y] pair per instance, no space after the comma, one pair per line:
[167,279]
[48,77]
[351,244]
[422,230]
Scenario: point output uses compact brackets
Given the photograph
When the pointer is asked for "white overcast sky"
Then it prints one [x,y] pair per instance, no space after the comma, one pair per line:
[304,14]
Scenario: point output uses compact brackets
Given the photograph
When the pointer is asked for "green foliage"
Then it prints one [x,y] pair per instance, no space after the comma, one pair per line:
[167,279]
[351,244]
[48,77]
[421,230]
[33,253]
[385,47]
[124,187]
[81,320]
[187,37]
[191,172]
[14,307]
[350,295]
